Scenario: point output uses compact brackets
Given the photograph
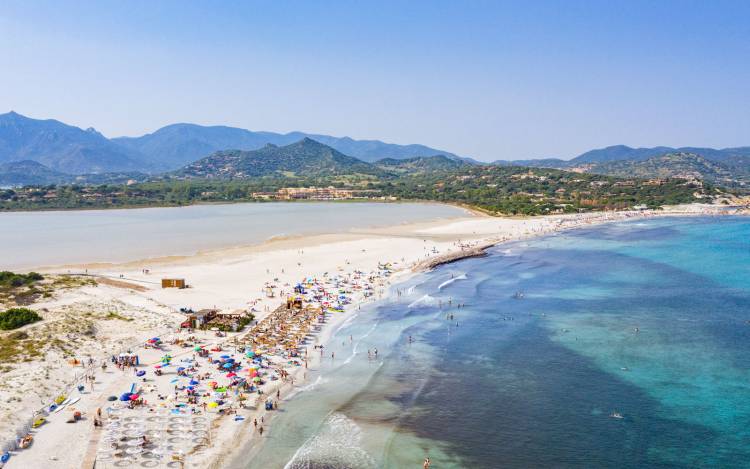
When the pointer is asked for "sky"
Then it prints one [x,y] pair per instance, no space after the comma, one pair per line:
[489,80]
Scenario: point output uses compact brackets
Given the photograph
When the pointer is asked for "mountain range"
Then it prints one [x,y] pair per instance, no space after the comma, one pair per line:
[72,150]
[34,151]
[626,153]
[179,144]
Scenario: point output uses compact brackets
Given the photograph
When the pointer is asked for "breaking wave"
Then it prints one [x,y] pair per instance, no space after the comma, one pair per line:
[451,280]
[334,446]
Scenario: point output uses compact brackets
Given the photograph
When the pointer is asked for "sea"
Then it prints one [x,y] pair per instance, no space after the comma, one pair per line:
[34,239]
[624,345]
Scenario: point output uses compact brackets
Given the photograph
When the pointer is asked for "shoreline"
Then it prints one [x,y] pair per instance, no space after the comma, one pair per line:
[236,202]
[234,248]
[250,446]
[216,279]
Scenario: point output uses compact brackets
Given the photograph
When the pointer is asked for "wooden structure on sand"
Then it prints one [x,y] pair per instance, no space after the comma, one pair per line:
[173,283]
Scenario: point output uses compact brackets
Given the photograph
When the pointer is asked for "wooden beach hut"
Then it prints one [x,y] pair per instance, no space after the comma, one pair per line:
[173,283]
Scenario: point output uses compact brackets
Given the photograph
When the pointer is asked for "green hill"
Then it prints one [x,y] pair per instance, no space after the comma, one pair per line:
[419,164]
[19,173]
[671,165]
[306,158]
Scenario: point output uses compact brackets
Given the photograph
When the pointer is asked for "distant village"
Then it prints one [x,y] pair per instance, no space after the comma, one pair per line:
[316,193]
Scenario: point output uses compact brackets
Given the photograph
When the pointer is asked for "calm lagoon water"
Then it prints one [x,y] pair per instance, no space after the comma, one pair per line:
[32,239]
[647,319]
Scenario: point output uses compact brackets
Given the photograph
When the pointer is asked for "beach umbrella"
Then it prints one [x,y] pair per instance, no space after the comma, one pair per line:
[157,366]
[225,356]
[213,405]
[125,396]
[182,368]
[134,397]
[193,382]
[197,349]
[227,365]
[256,379]
[232,374]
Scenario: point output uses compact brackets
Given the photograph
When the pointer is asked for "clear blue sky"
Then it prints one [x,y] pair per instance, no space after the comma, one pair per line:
[484,79]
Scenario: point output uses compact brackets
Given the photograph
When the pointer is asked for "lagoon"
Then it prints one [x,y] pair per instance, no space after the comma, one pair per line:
[33,239]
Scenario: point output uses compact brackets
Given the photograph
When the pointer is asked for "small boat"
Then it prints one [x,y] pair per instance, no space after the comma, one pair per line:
[518,295]
[616,415]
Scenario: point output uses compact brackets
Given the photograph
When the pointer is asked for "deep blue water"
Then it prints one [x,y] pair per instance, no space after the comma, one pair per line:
[648,319]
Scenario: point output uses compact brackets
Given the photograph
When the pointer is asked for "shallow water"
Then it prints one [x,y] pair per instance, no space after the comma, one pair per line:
[647,319]
[32,239]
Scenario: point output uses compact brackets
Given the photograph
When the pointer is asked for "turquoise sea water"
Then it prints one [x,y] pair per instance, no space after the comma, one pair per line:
[650,319]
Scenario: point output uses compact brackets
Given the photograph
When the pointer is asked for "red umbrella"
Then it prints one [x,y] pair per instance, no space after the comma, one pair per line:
[134,397]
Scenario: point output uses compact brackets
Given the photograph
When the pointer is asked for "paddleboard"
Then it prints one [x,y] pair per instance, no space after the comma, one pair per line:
[74,401]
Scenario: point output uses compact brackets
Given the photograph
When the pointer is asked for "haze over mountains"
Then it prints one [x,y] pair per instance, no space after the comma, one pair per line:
[73,150]
[34,151]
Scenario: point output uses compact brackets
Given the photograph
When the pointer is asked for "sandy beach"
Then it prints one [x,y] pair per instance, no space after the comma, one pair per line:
[94,324]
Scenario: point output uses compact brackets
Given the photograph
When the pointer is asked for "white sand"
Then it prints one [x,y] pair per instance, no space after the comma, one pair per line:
[227,279]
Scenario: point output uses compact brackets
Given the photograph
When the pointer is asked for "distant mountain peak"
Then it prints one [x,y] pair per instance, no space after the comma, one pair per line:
[62,147]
